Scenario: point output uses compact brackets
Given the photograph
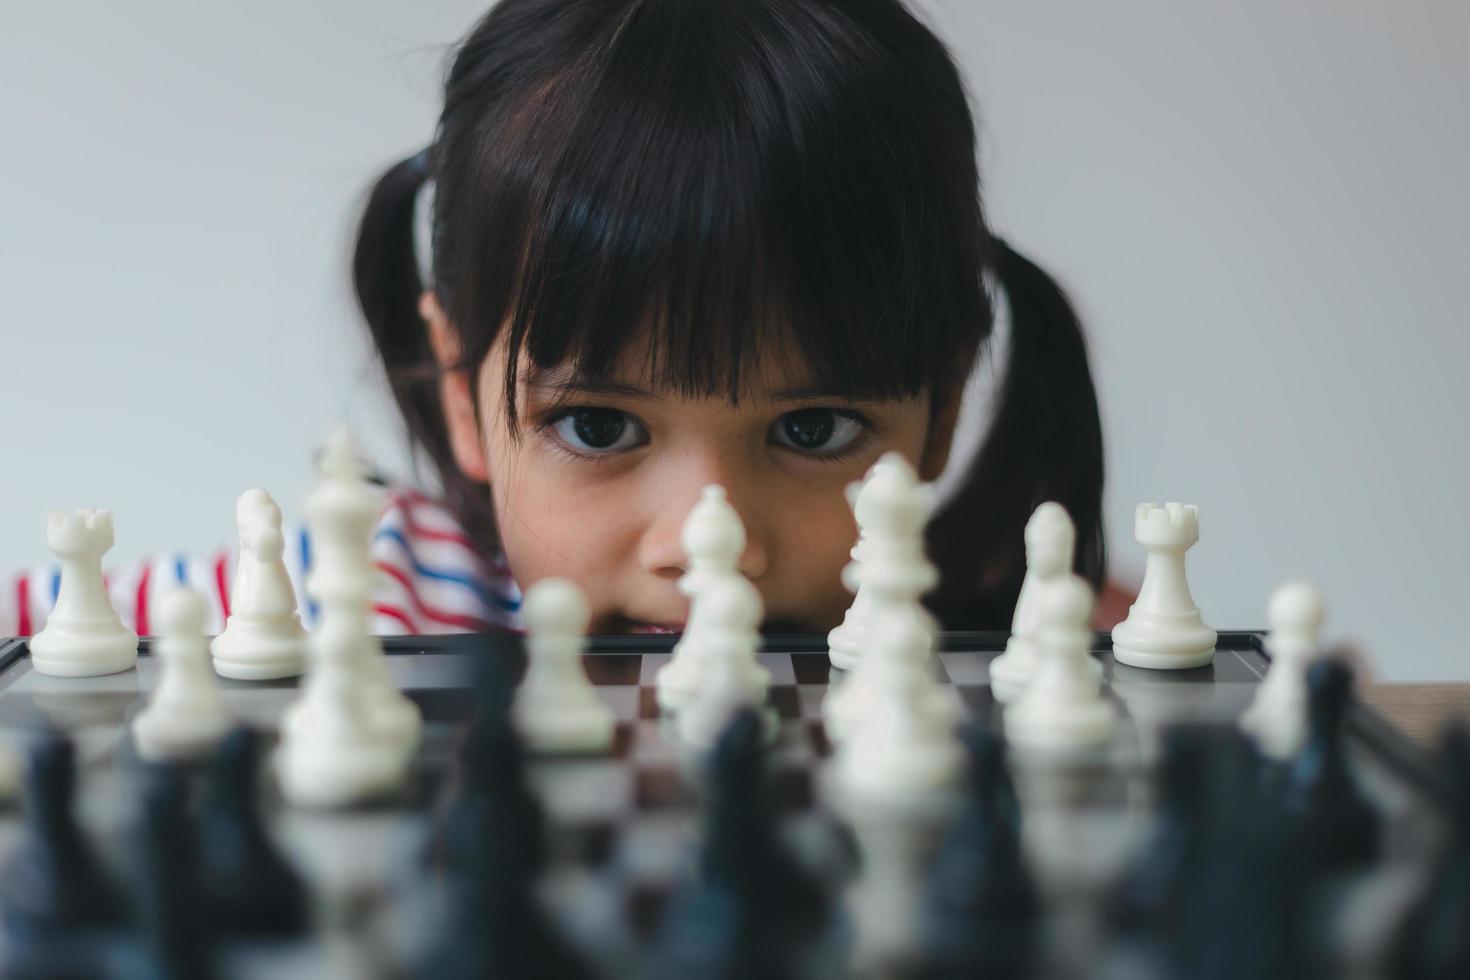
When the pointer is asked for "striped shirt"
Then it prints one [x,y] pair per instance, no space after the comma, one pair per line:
[430,580]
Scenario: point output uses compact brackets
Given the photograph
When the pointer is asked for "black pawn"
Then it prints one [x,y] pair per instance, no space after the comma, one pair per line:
[752,910]
[1240,868]
[1148,889]
[981,912]
[492,849]
[493,800]
[53,881]
[251,889]
[168,904]
[1433,942]
[1335,826]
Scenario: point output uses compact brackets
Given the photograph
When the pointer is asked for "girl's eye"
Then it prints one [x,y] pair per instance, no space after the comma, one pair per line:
[819,431]
[597,431]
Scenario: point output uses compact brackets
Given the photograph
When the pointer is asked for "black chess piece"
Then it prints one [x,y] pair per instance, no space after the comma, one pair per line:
[1238,868]
[752,910]
[53,881]
[1336,827]
[54,895]
[981,912]
[1433,940]
[492,849]
[1149,886]
[169,910]
[250,888]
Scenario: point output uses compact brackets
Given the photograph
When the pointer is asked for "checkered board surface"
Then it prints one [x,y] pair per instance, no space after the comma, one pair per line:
[624,825]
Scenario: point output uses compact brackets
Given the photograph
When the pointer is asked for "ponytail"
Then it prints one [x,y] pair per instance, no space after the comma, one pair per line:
[388,284]
[1045,443]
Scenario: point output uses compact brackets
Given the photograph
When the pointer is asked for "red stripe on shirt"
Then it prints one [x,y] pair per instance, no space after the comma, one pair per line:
[470,624]
[221,585]
[393,612]
[406,502]
[23,604]
[140,601]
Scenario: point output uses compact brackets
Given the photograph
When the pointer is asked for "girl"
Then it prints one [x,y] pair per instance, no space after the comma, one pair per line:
[667,243]
[679,242]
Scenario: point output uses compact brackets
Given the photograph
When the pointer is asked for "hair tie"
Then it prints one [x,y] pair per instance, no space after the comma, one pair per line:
[423,219]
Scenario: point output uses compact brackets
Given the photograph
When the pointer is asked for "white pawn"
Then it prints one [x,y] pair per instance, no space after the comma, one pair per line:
[186,717]
[713,538]
[83,635]
[1062,708]
[1051,540]
[331,752]
[263,638]
[906,745]
[846,641]
[1277,718]
[732,677]
[556,707]
[1164,630]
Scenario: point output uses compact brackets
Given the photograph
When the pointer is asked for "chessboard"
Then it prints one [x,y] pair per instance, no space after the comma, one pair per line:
[624,828]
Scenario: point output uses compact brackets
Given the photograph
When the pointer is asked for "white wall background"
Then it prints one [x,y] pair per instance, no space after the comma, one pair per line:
[1259,207]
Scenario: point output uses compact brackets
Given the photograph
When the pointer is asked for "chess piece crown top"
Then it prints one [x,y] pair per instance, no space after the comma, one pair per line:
[892,501]
[72,532]
[1171,525]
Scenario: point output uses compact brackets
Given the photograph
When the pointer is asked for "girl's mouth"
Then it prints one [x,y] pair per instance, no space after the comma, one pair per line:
[638,626]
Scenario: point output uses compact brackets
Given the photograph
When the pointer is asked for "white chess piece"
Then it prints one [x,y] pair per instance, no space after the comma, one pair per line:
[331,754]
[895,573]
[847,640]
[352,734]
[186,716]
[1062,708]
[1277,718]
[1051,540]
[83,635]
[263,638]
[556,707]
[342,512]
[904,746]
[713,538]
[1164,630]
[732,677]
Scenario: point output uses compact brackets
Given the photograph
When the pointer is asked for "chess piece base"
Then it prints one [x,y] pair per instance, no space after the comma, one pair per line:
[248,651]
[83,650]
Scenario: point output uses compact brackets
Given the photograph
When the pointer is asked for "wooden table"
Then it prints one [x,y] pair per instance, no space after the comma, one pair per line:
[1420,710]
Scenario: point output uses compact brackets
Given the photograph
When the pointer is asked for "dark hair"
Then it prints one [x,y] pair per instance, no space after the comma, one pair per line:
[719,175]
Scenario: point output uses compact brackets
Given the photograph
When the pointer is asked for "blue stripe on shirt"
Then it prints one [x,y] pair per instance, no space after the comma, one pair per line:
[181,570]
[485,595]
[311,607]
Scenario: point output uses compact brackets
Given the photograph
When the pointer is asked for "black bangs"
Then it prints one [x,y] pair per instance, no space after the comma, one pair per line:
[715,181]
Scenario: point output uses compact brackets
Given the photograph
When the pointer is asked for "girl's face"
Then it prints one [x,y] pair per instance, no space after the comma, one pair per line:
[597,487]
